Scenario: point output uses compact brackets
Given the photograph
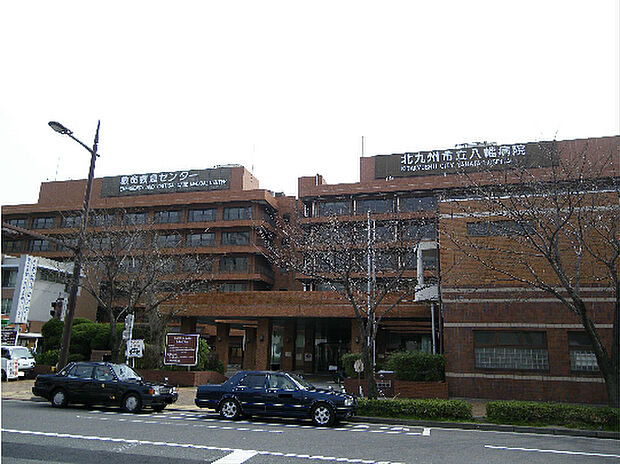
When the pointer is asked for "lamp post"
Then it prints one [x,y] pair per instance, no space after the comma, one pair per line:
[78,250]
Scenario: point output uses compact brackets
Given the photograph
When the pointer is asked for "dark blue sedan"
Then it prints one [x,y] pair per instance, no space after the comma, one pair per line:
[283,394]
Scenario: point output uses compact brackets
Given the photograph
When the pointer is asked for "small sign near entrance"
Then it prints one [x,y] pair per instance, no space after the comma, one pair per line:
[9,337]
[358,366]
[181,350]
[135,348]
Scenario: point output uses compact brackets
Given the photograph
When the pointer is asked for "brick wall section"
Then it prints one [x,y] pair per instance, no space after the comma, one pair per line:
[183,379]
[405,389]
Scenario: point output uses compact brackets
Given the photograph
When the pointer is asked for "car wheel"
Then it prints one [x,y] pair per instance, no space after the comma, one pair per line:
[159,408]
[59,398]
[132,403]
[323,415]
[229,409]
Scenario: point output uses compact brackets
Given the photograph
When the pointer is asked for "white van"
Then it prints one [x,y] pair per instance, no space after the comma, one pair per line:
[23,356]
[10,368]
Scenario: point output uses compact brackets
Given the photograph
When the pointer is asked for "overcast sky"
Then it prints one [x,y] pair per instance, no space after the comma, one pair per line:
[288,88]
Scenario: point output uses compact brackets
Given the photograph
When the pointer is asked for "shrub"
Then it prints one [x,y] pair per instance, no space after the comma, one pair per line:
[48,358]
[348,360]
[424,409]
[52,333]
[532,413]
[417,366]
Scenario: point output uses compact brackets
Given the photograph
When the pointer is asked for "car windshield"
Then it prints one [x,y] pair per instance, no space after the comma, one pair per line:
[303,383]
[124,372]
[22,353]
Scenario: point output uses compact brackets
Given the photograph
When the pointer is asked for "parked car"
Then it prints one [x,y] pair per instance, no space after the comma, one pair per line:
[24,357]
[103,383]
[10,367]
[282,394]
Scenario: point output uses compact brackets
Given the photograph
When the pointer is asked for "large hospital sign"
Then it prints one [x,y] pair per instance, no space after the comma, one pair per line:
[466,159]
[166,182]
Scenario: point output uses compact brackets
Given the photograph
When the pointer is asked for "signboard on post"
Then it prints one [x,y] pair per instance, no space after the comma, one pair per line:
[135,348]
[181,350]
[9,337]
[23,294]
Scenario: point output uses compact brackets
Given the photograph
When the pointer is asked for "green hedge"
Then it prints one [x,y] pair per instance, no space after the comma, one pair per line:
[417,366]
[426,409]
[542,414]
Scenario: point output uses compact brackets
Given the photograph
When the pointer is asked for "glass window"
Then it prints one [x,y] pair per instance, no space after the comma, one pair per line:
[103,373]
[202,215]
[18,222]
[582,358]
[70,222]
[229,287]
[198,240]
[166,217]
[100,219]
[81,371]
[330,208]
[167,240]
[253,381]
[417,232]
[9,277]
[236,213]
[12,245]
[511,350]
[99,243]
[234,264]
[135,218]
[375,205]
[48,222]
[6,305]
[197,264]
[409,204]
[40,245]
[429,258]
[281,382]
[235,238]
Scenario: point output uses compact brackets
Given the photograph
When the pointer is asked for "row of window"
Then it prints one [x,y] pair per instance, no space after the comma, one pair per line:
[232,264]
[372,205]
[135,218]
[527,350]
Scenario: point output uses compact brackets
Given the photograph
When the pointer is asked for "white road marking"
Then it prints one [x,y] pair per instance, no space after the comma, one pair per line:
[236,457]
[192,446]
[535,450]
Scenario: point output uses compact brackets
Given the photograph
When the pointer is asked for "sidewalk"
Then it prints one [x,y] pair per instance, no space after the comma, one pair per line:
[22,390]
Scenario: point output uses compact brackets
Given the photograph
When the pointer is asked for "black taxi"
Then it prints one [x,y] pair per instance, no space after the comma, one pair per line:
[103,383]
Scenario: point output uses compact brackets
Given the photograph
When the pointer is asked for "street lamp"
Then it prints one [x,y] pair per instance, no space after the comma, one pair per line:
[78,250]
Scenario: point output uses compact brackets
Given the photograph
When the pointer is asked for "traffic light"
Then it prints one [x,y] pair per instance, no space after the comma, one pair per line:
[56,311]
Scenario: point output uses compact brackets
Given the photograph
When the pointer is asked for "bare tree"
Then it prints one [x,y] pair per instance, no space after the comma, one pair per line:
[372,267]
[555,230]
[135,268]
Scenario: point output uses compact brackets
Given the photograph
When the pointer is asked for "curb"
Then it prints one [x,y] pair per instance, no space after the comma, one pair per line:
[482,426]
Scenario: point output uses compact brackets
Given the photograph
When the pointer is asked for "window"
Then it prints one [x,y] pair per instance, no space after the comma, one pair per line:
[201,215]
[18,222]
[197,264]
[70,222]
[511,350]
[429,258]
[103,374]
[582,357]
[235,213]
[253,381]
[417,232]
[329,208]
[48,222]
[499,228]
[40,245]
[384,233]
[233,287]
[235,238]
[12,245]
[81,371]
[9,278]
[234,264]
[135,218]
[99,219]
[99,243]
[375,205]
[167,240]
[6,305]
[384,261]
[408,204]
[198,240]
[166,217]
[281,382]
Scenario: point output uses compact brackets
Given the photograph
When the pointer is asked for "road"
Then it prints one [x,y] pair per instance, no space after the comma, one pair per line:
[34,432]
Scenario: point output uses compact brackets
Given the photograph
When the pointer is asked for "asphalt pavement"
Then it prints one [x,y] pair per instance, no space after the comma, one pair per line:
[22,390]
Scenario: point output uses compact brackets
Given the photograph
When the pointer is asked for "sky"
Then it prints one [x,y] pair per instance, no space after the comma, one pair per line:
[289,88]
